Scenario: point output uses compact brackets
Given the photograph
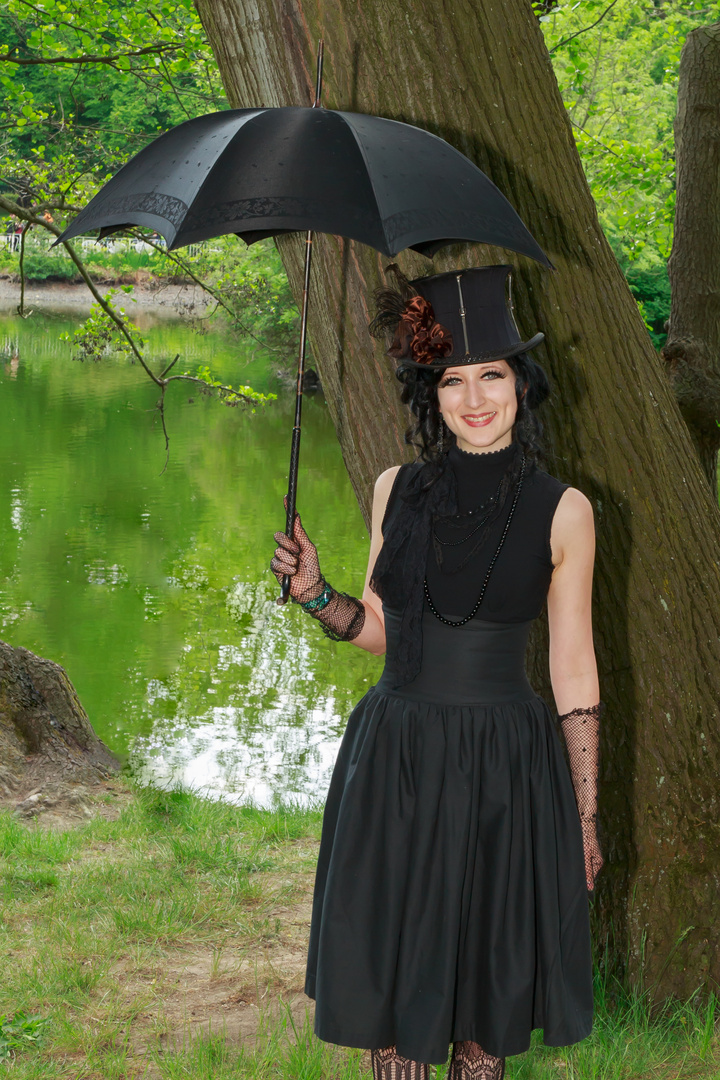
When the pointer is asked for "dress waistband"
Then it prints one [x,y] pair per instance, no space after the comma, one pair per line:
[481,662]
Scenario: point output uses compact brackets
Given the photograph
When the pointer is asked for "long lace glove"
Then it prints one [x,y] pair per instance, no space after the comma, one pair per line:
[342,617]
[581,728]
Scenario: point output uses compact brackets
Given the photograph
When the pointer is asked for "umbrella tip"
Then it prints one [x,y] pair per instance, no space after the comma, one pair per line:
[318,81]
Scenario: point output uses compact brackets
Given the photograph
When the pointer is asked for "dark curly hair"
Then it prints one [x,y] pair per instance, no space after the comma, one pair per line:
[420,393]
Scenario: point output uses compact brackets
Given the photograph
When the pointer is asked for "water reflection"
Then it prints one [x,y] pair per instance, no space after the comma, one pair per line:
[274,733]
[152,588]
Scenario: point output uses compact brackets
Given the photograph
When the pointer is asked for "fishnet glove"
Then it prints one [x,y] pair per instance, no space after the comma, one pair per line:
[581,728]
[342,617]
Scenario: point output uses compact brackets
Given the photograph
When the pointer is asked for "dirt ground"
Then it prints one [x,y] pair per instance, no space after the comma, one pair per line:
[236,988]
[57,805]
[226,989]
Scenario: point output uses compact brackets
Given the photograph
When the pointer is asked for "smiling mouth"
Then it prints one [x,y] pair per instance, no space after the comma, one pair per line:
[483,418]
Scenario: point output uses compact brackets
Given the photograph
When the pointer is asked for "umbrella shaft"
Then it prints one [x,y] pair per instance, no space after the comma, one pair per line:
[303,328]
[295,444]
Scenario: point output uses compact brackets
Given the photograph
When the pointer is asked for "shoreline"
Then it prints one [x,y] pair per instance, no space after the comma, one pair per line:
[161,296]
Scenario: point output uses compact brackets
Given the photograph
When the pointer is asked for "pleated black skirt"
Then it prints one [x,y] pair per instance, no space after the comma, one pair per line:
[450,897]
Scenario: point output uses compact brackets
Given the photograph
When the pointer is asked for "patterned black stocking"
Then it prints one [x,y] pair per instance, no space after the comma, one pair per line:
[387,1064]
[470,1062]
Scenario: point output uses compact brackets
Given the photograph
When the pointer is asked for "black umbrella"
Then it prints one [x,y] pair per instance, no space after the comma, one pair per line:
[264,172]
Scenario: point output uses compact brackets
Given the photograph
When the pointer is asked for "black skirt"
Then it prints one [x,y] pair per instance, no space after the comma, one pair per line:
[450,897]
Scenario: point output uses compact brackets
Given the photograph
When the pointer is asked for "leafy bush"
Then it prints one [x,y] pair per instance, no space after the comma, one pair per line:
[254,283]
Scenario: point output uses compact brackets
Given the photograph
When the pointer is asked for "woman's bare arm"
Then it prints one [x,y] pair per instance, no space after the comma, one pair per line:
[573,667]
[372,636]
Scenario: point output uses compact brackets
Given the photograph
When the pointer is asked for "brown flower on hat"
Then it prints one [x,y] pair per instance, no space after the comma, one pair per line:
[420,334]
[411,319]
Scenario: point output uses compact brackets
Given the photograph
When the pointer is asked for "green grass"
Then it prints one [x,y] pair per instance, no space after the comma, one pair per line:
[97,921]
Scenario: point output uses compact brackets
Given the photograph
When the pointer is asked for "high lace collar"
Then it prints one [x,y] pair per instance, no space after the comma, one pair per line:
[504,454]
[478,475]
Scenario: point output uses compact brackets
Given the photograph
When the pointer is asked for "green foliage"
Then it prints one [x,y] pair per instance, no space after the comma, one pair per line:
[40,267]
[67,126]
[151,68]
[254,283]
[90,87]
[18,1032]
[229,395]
[99,336]
[619,79]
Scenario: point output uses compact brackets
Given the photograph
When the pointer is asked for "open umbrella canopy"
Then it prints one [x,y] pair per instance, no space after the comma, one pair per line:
[262,172]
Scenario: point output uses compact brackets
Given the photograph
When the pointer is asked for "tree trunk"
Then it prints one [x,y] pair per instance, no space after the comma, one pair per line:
[46,739]
[692,351]
[480,76]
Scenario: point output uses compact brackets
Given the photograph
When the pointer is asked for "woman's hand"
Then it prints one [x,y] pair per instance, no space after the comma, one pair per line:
[298,558]
[593,856]
[342,617]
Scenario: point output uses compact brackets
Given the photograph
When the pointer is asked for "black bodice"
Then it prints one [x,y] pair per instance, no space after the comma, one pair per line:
[520,579]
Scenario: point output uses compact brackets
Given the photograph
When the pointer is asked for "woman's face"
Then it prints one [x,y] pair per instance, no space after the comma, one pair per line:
[479,404]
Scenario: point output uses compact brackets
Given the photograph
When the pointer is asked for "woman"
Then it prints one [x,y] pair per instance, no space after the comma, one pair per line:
[457,849]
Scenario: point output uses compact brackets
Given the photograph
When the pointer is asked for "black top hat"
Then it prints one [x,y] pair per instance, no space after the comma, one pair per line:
[466,320]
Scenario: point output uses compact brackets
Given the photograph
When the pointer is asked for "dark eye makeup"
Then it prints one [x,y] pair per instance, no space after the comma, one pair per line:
[493,371]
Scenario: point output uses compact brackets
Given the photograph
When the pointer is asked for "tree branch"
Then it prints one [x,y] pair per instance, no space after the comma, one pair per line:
[228,393]
[88,58]
[584,29]
[594,138]
[21,268]
[33,219]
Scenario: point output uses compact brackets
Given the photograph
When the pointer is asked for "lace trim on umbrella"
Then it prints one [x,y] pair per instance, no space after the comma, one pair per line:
[149,202]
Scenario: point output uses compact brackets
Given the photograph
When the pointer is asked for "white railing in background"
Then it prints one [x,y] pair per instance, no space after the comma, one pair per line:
[108,243]
[38,242]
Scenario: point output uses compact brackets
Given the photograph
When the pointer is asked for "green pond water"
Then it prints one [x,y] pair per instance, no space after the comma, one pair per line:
[152,587]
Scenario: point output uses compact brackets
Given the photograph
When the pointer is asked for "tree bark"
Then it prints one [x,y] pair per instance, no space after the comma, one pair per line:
[692,350]
[46,738]
[479,75]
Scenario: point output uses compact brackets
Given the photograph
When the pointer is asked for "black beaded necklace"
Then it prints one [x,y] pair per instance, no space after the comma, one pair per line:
[461,622]
[458,521]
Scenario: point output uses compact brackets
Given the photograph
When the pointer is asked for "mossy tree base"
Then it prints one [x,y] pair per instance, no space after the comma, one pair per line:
[46,739]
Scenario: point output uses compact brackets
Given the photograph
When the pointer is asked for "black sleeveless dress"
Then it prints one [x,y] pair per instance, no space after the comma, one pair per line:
[450,896]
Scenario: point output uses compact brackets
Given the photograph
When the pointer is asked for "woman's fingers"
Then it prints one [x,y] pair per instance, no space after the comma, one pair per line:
[287,543]
[287,559]
[594,861]
[280,567]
